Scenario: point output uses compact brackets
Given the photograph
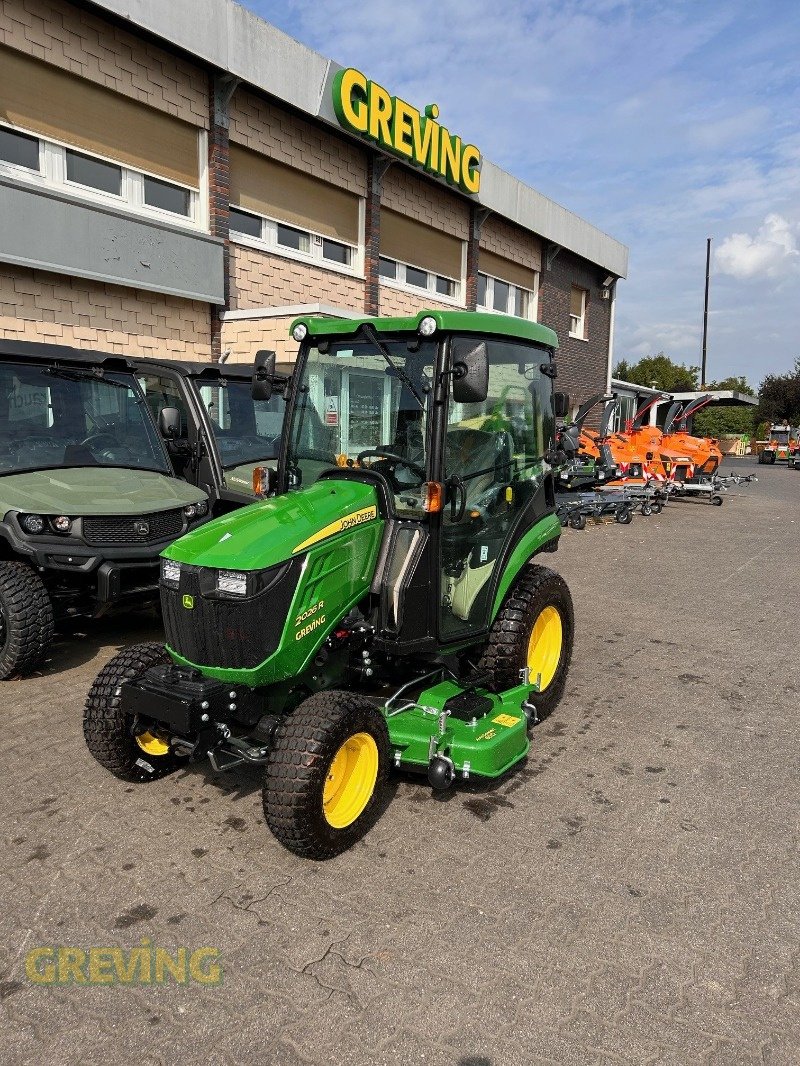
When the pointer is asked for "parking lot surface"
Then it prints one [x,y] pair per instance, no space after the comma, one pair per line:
[629,895]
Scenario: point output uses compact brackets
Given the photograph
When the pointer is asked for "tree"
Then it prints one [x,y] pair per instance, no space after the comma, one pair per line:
[717,421]
[779,397]
[659,372]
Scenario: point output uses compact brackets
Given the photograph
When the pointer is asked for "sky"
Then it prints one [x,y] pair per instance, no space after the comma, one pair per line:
[661,123]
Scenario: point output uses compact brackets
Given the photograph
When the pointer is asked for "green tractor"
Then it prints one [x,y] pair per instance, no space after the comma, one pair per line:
[382,606]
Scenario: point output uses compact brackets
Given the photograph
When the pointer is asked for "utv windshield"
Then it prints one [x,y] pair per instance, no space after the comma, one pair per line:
[53,417]
[354,408]
[246,430]
[780,436]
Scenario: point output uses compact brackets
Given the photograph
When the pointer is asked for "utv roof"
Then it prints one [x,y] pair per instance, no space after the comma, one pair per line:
[196,369]
[448,321]
[36,352]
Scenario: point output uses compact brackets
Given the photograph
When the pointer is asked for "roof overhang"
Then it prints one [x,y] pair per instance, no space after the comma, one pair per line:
[721,397]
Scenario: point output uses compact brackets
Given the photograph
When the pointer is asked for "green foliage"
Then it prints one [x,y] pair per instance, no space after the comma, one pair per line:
[779,397]
[659,372]
[714,421]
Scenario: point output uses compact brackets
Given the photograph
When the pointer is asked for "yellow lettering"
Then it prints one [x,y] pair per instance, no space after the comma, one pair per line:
[403,126]
[70,966]
[101,966]
[450,165]
[470,169]
[211,974]
[351,99]
[424,141]
[380,114]
[40,975]
[176,967]
[124,964]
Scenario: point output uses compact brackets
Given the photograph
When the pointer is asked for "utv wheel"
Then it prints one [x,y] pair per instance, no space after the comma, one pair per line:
[26,619]
[326,774]
[534,629]
[131,749]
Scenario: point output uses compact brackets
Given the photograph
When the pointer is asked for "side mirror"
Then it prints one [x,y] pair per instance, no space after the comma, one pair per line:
[263,375]
[169,423]
[561,404]
[470,371]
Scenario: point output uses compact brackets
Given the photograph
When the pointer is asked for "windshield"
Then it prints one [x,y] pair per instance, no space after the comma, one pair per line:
[354,407]
[780,436]
[246,430]
[67,417]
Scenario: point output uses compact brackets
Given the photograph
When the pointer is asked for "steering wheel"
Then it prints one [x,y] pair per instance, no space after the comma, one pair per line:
[394,459]
[107,446]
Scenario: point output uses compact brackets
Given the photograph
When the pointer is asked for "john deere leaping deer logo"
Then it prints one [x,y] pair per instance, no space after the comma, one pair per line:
[188,602]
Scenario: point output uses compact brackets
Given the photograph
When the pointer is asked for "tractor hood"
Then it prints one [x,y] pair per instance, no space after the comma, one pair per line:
[94,490]
[278,529]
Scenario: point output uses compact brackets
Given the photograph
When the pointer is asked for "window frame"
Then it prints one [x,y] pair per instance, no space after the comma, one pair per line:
[578,334]
[268,242]
[399,281]
[52,174]
[513,289]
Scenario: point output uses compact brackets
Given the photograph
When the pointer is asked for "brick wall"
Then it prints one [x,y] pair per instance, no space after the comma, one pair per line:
[505,239]
[425,201]
[260,279]
[267,128]
[581,363]
[37,306]
[73,39]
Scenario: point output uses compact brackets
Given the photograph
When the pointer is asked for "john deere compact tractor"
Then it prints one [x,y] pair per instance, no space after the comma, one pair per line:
[382,606]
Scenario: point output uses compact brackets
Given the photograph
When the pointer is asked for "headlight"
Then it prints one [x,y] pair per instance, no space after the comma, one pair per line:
[232,581]
[300,332]
[62,524]
[32,523]
[196,510]
[202,508]
[427,326]
[170,572]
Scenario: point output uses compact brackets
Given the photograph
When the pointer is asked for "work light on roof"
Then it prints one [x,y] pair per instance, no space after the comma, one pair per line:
[300,332]
[427,326]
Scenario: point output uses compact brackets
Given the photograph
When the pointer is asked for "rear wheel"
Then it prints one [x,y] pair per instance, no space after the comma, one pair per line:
[26,619]
[326,774]
[533,630]
[131,749]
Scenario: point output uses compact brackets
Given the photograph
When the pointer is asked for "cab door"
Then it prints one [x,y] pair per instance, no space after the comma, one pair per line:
[493,461]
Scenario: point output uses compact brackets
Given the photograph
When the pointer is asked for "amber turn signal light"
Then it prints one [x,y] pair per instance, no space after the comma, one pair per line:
[433,496]
[260,481]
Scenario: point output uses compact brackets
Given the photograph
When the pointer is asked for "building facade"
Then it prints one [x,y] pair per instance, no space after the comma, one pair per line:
[182,179]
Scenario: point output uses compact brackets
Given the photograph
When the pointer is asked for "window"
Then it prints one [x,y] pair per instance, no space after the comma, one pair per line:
[93,177]
[94,173]
[19,149]
[280,237]
[427,280]
[166,196]
[577,313]
[494,294]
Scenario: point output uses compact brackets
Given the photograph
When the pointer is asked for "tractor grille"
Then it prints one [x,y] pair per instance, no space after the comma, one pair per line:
[232,632]
[133,529]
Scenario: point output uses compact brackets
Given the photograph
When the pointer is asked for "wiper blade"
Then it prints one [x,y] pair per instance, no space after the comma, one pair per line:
[370,333]
[76,374]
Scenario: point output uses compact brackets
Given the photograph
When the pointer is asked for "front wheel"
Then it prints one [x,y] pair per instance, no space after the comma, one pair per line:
[326,775]
[131,749]
[26,619]
[533,630]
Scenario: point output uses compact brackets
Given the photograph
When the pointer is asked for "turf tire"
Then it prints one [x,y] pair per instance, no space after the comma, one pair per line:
[535,588]
[108,731]
[294,779]
[26,626]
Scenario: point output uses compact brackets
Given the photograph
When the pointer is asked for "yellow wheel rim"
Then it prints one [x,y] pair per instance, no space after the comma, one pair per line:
[351,780]
[152,744]
[544,647]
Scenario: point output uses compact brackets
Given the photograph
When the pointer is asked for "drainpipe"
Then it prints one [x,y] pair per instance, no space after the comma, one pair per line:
[612,316]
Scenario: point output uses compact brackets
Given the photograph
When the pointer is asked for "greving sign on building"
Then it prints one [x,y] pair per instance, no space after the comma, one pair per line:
[366,108]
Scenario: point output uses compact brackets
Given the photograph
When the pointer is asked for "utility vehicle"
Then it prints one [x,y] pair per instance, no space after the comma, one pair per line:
[780,446]
[88,499]
[385,606]
[216,432]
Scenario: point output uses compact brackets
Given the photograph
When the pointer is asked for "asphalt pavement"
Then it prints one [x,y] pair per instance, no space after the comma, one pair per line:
[629,895]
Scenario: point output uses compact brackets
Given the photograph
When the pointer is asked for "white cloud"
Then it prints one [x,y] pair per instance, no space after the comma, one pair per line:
[772,251]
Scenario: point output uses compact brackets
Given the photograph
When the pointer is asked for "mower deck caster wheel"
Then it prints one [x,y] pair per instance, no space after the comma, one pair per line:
[577,521]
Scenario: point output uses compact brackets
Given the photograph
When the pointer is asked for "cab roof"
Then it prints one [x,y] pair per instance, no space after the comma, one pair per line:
[446,321]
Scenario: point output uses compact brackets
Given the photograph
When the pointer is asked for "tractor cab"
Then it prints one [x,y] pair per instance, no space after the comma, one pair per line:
[382,605]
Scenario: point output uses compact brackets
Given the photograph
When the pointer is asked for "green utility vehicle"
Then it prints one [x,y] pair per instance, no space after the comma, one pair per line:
[384,607]
[88,499]
[216,431]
